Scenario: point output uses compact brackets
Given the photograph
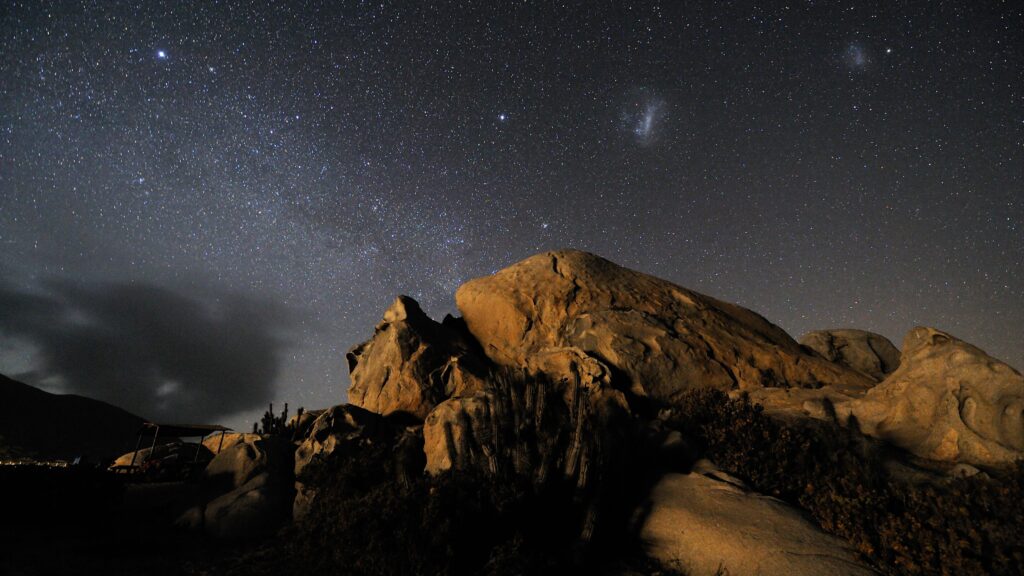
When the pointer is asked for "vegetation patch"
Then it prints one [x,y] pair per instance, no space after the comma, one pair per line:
[959,526]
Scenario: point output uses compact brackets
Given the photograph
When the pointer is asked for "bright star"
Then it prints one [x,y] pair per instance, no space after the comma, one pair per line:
[161,54]
[502,117]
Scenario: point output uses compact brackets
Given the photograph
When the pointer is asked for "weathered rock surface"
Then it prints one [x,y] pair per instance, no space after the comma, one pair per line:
[527,426]
[249,488]
[331,428]
[411,363]
[707,523]
[341,432]
[866,352]
[657,338]
[255,509]
[948,401]
[215,445]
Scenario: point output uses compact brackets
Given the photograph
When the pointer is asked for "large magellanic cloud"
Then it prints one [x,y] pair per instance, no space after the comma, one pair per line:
[161,354]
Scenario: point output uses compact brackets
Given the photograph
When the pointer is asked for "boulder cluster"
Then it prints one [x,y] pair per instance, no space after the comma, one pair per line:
[558,360]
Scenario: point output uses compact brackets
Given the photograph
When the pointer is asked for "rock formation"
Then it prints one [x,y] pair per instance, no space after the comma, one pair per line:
[331,429]
[249,489]
[527,427]
[948,401]
[410,364]
[869,353]
[707,522]
[658,339]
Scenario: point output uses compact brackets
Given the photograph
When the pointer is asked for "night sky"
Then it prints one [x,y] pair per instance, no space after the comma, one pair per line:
[203,205]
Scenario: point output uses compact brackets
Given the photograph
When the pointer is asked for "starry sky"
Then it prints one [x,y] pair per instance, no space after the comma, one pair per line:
[203,205]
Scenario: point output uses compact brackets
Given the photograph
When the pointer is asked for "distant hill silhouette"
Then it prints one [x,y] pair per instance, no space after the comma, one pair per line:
[44,425]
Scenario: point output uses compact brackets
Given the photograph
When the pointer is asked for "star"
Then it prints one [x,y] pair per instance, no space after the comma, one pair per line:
[502,117]
[161,54]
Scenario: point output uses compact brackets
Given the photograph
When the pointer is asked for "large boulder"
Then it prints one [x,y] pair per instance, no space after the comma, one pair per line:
[343,432]
[255,509]
[706,523]
[248,488]
[866,352]
[948,401]
[658,339]
[218,442]
[332,428]
[411,363]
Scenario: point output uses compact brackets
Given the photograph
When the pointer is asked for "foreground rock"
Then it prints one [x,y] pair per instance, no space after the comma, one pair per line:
[411,363]
[866,352]
[707,523]
[332,429]
[948,401]
[657,338]
[217,442]
[249,489]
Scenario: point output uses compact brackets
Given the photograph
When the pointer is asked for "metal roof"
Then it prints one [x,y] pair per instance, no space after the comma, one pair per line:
[153,428]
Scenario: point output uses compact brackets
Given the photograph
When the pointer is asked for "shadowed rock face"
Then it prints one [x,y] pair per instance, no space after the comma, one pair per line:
[254,481]
[527,427]
[948,401]
[869,353]
[658,339]
[410,364]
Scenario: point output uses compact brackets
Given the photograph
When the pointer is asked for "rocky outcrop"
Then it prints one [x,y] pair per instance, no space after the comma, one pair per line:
[249,489]
[332,429]
[569,432]
[411,363]
[658,339]
[948,401]
[342,431]
[869,353]
[707,523]
[217,443]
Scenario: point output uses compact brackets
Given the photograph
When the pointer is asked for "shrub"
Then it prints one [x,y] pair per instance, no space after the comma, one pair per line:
[963,526]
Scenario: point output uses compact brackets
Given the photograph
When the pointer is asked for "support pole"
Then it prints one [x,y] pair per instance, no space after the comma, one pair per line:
[136,452]
[196,457]
[221,443]
[153,446]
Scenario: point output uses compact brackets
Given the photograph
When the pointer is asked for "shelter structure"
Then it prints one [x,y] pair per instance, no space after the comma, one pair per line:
[177,431]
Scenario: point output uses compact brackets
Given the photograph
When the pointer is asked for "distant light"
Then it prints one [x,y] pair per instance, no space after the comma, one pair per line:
[502,117]
[161,54]
[888,50]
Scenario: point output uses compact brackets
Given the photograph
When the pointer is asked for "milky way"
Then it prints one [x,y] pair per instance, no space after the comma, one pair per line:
[315,159]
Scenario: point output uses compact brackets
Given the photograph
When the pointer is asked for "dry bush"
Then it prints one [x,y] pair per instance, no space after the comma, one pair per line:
[962,526]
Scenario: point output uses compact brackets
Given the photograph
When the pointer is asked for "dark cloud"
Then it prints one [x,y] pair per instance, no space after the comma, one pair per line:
[150,350]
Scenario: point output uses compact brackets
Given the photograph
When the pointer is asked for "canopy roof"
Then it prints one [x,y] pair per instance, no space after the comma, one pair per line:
[152,429]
